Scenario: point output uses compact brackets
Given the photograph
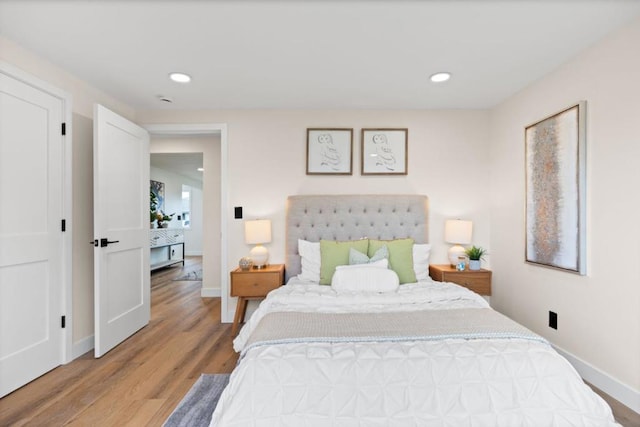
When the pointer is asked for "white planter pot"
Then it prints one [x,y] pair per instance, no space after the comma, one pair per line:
[474,264]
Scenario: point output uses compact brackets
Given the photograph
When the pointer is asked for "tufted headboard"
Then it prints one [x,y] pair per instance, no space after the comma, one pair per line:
[352,217]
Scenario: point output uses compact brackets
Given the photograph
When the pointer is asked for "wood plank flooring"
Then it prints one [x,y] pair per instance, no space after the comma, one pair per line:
[141,381]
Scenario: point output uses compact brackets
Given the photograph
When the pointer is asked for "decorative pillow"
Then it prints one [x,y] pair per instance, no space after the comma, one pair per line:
[334,253]
[400,257]
[421,252]
[309,260]
[359,278]
[357,257]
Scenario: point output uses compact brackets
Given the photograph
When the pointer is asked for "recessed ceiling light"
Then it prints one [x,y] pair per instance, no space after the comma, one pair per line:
[200,169]
[440,77]
[180,77]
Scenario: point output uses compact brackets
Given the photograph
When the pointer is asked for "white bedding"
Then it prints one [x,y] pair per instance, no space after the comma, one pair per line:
[445,382]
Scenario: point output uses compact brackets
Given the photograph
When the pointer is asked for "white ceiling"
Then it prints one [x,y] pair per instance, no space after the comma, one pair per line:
[311,54]
[185,164]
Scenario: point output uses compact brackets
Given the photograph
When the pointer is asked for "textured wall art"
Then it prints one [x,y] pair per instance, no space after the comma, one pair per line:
[157,188]
[555,190]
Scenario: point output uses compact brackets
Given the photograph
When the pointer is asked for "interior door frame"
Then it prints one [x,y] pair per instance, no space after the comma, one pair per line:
[210,129]
[67,202]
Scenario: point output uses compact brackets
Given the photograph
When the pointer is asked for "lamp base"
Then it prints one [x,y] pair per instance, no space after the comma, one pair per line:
[259,255]
[455,252]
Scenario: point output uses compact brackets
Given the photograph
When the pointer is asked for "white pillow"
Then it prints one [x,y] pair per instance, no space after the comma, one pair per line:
[421,260]
[381,263]
[309,261]
[364,278]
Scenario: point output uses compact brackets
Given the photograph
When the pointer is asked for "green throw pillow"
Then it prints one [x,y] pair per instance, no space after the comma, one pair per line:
[333,254]
[400,257]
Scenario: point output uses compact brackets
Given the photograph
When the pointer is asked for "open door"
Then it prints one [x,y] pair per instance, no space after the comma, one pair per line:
[121,227]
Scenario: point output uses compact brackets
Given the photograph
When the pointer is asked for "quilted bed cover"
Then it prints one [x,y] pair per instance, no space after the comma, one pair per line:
[440,380]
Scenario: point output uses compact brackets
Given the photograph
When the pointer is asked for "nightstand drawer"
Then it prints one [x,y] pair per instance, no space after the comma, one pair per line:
[479,283]
[254,285]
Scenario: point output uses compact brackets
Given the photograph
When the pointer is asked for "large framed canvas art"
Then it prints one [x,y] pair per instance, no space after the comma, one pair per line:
[555,190]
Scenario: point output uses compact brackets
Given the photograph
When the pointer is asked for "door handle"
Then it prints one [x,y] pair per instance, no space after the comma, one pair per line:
[105,242]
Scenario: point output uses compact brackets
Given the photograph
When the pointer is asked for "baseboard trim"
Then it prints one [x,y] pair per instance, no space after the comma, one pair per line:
[614,388]
[210,292]
[82,346]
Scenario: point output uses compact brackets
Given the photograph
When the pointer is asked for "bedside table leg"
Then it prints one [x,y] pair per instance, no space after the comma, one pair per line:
[241,309]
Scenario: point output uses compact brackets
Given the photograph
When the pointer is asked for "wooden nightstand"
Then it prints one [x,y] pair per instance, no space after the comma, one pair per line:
[253,284]
[478,281]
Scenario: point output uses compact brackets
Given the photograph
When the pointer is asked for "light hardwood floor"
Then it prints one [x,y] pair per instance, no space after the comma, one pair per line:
[140,382]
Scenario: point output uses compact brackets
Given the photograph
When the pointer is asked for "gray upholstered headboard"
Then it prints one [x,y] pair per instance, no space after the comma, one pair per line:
[351,217]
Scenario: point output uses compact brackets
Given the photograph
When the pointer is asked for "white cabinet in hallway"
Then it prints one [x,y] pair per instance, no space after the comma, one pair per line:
[167,247]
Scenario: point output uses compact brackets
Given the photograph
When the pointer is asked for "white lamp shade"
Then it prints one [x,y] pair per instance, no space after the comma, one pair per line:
[458,231]
[257,231]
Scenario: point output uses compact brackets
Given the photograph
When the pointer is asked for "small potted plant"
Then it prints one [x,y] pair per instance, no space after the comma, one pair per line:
[153,206]
[475,254]
[163,219]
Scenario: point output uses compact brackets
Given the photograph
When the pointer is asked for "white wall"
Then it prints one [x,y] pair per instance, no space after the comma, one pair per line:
[194,235]
[84,95]
[82,228]
[209,146]
[598,314]
[448,161]
[173,204]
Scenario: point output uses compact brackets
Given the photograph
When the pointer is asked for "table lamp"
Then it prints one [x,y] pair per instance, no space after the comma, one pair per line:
[458,232]
[257,232]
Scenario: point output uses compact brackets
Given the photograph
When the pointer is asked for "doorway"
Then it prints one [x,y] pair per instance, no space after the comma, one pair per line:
[211,141]
[181,177]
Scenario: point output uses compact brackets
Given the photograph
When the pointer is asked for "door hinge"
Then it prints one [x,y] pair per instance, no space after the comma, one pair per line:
[63,225]
[63,322]
[64,128]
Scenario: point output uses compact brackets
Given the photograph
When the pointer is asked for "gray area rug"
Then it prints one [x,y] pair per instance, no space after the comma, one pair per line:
[198,404]
[192,275]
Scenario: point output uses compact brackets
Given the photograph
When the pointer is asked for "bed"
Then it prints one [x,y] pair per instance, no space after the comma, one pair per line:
[421,353]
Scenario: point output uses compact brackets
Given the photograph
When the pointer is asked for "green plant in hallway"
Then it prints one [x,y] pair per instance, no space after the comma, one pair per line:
[153,207]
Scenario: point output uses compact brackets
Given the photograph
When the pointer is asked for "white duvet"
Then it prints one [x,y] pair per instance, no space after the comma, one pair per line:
[449,382]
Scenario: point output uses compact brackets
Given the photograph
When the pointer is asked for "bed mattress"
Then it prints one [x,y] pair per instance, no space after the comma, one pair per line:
[427,378]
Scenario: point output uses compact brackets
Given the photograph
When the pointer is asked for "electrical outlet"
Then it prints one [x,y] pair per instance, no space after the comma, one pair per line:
[553,320]
[238,212]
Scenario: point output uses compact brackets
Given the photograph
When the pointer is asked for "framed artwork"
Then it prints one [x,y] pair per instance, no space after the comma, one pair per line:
[384,151]
[555,190]
[329,151]
[157,188]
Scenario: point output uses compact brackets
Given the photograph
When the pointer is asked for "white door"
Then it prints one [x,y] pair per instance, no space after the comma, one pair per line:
[121,227]
[31,176]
